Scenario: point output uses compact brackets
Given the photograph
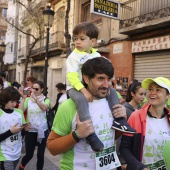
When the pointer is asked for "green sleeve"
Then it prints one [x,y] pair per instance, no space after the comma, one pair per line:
[74,80]
[26,103]
[62,124]
[119,95]
[47,102]
[168,102]
[9,84]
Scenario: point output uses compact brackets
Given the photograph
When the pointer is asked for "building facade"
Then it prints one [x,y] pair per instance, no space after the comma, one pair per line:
[3,29]
[146,23]
[137,44]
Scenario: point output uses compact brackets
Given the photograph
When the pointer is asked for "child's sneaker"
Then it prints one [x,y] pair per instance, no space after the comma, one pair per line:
[21,167]
[123,126]
[95,143]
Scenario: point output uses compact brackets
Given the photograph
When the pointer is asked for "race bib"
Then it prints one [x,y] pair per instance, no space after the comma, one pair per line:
[160,165]
[12,140]
[107,159]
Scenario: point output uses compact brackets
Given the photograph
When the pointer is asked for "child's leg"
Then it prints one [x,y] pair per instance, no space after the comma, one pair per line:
[83,111]
[81,104]
[120,123]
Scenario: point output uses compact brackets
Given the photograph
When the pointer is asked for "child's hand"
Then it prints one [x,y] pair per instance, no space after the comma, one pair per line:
[16,129]
[87,94]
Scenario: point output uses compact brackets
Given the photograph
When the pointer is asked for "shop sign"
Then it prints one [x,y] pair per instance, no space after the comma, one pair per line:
[107,8]
[152,44]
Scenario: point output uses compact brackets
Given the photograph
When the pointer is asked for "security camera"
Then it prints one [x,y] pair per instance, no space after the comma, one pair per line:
[100,41]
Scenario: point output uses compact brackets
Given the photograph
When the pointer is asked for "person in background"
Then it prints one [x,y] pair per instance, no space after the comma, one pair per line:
[3,76]
[133,81]
[28,89]
[16,84]
[121,99]
[36,105]
[85,37]
[143,151]
[68,135]
[1,84]
[61,96]
[135,96]
[145,101]
[29,84]
[12,122]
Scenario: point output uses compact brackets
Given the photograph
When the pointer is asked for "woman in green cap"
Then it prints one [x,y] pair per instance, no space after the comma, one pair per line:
[144,150]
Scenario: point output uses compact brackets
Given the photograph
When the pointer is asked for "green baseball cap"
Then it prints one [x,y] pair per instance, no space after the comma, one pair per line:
[161,81]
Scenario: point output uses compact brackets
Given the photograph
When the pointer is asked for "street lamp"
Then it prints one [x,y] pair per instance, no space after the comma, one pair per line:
[2,52]
[48,20]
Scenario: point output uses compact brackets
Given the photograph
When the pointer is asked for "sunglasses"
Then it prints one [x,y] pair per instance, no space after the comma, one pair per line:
[36,89]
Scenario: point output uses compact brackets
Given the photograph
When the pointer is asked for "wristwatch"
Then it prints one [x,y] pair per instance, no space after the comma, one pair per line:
[76,136]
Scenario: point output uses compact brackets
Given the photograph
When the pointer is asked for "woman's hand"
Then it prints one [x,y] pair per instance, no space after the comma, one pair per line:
[33,95]
[16,129]
[27,126]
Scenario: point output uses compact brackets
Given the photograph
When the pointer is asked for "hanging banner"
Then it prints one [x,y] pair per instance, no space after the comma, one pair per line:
[107,8]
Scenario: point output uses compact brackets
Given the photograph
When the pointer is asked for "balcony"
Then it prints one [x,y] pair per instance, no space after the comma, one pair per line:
[137,16]
[56,43]
[34,8]
[22,52]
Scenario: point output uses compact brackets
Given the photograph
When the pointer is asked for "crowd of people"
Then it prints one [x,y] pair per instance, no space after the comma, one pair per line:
[94,126]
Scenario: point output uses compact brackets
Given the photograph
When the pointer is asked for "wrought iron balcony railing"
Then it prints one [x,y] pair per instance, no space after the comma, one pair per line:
[56,42]
[135,12]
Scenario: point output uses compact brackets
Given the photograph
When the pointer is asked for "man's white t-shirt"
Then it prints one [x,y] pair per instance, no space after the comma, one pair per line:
[81,156]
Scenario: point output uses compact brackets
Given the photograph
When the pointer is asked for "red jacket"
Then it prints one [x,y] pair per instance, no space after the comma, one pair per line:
[131,147]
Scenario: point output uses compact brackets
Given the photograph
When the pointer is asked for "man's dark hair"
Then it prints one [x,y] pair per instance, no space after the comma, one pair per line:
[3,74]
[9,94]
[88,28]
[99,65]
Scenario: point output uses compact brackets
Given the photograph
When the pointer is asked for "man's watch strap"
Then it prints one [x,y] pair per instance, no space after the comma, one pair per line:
[76,136]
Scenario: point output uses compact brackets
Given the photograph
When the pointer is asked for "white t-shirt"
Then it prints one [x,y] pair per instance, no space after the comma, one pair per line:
[157,134]
[10,148]
[81,156]
[62,98]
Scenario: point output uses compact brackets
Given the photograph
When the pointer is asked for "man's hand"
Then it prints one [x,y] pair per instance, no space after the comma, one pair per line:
[87,94]
[16,129]
[119,111]
[85,128]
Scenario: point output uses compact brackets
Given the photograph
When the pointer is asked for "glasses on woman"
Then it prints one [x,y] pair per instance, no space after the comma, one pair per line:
[36,89]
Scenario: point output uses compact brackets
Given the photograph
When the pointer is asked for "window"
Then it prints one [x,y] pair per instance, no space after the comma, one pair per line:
[4,12]
[87,16]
